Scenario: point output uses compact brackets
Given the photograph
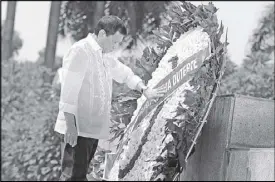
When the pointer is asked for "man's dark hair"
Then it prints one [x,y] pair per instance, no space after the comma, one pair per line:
[111,24]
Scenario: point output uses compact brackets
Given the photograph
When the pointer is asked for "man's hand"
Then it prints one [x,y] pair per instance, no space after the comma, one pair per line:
[71,133]
[150,93]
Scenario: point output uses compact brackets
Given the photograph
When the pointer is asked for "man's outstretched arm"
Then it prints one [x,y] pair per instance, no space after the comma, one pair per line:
[123,74]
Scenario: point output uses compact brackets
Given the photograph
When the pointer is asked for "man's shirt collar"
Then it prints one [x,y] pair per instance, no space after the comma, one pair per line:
[92,42]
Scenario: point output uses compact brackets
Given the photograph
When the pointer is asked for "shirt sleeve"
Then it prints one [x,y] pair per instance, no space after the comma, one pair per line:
[74,67]
[123,74]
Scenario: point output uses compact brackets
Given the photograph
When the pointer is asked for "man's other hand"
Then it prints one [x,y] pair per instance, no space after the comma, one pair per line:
[71,135]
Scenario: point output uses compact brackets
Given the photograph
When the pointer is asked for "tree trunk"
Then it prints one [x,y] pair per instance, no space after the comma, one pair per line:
[99,12]
[140,15]
[52,37]
[133,12]
[8,31]
[131,7]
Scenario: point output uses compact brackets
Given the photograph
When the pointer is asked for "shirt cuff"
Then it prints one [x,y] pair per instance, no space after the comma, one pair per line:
[64,107]
[133,81]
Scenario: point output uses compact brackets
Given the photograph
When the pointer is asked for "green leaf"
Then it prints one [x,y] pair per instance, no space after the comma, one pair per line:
[117,135]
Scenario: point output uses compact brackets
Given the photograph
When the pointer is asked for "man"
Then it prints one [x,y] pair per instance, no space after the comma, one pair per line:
[85,99]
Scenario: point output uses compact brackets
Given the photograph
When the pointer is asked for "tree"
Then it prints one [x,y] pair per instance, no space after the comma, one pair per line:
[41,58]
[77,18]
[132,5]
[52,36]
[138,12]
[99,12]
[262,40]
[230,67]
[255,77]
[263,37]
[257,84]
[80,16]
[8,31]
[17,42]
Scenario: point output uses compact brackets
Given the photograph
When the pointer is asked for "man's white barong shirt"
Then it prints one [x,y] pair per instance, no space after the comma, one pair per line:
[86,88]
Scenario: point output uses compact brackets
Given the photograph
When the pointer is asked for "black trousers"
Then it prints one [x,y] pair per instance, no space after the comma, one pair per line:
[75,160]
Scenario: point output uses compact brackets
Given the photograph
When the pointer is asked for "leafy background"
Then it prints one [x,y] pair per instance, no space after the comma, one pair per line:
[30,148]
